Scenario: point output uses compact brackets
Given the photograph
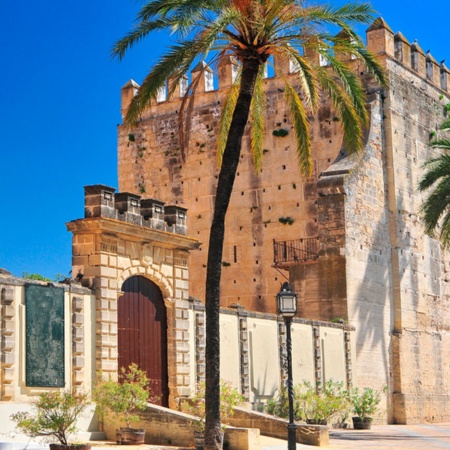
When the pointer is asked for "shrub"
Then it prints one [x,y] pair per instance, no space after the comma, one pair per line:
[56,414]
[123,397]
[311,405]
[365,403]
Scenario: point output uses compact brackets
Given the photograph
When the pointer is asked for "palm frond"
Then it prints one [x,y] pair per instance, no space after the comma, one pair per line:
[301,128]
[163,8]
[257,113]
[349,13]
[176,62]
[136,35]
[352,86]
[304,73]
[444,235]
[436,205]
[343,103]
[435,168]
[445,126]
[443,143]
[228,106]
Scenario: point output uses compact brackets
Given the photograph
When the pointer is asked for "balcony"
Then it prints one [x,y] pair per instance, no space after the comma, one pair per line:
[287,253]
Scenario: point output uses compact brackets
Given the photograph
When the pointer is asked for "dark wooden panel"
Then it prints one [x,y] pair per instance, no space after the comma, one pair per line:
[143,332]
[44,336]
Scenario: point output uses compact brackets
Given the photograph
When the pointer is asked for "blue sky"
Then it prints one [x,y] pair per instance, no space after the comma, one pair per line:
[60,104]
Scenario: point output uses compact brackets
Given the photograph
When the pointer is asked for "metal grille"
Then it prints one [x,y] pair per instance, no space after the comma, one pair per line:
[298,250]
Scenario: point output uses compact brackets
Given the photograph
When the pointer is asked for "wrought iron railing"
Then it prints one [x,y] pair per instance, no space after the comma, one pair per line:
[298,250]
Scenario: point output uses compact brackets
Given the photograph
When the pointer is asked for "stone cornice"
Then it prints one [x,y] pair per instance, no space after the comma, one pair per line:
[131,232]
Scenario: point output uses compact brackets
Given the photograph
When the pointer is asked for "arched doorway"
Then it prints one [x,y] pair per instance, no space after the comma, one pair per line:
[143,332]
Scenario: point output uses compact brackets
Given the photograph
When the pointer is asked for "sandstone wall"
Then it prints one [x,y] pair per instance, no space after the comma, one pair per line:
[78,334]
[413,109]
[151,164]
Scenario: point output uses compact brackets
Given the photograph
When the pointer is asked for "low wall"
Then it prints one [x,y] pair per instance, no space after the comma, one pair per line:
[274,427]
[164,426]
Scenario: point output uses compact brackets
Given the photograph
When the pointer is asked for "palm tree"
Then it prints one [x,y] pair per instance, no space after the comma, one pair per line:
[435,209]
[252,31]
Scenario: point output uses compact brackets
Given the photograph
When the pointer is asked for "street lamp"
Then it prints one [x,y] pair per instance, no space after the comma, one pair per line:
[287,307]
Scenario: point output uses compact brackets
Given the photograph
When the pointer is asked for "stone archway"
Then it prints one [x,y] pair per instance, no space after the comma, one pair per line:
[142,333]
[118,240]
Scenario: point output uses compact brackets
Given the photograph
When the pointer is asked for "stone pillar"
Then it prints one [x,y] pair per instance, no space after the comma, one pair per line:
[348,359]
[244,350]
[178,356]
[317,358]
[7,338]
[78,353]
[200,344]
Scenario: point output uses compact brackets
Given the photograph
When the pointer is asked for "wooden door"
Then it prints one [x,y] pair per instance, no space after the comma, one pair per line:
[143,332]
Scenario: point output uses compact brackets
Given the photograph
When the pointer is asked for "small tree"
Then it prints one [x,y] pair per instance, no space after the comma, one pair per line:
[56,415]
[365,403]
[311,405]
[123,397]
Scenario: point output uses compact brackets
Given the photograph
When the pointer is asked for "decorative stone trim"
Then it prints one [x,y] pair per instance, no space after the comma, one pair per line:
[178,356]
[244,360]
[317,358]
[348,359]
[78,341]
[200,343]
[7,341]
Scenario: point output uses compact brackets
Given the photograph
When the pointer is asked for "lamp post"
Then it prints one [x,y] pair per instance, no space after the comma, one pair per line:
[287,307]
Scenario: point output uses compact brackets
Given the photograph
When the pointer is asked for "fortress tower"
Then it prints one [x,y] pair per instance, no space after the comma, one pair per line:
[349,238]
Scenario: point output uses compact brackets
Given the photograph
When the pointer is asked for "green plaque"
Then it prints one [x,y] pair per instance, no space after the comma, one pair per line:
[44,336]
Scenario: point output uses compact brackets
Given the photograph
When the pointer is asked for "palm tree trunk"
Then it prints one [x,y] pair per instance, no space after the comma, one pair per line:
[230,161]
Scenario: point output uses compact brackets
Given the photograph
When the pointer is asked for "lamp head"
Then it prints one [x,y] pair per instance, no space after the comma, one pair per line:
[287,301]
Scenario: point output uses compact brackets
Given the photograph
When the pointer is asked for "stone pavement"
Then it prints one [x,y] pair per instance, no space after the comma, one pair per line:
[381,437]
[386,437]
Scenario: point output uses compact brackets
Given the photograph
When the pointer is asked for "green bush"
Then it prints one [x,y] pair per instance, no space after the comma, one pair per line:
[365,403]
[123,397]
[56,414]
[311,405]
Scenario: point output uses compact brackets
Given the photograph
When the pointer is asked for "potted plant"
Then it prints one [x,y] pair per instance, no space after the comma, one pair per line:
[56,415]
[311,405]
[124,398]
[364,406]
[195,406]
[321,406]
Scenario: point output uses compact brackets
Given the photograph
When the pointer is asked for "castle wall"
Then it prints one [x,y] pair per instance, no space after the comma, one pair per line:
[374,268]
[396,275]
[413,109]
[151,164]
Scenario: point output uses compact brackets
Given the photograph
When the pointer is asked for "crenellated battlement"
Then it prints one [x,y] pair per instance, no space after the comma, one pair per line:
[381,40]
[102,201]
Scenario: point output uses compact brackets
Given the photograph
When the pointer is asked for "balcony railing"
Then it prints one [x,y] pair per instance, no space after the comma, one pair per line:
[296,251]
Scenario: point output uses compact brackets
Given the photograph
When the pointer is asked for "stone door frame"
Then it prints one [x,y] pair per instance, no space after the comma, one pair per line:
[108,248]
